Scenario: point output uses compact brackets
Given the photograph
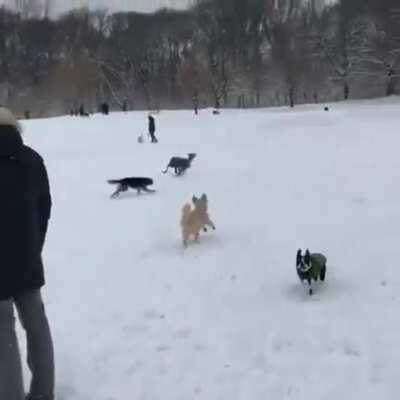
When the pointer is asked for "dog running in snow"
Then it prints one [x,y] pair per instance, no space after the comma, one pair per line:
[310,267]
[134,183]
[179,164]
[195,220]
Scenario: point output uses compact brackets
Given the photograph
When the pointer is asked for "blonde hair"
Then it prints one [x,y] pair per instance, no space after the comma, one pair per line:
[9,119]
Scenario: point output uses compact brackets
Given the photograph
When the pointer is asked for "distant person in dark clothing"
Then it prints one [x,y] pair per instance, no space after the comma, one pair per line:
[25,205]
[105,108]
[82,111]
[152,129]
[195,101]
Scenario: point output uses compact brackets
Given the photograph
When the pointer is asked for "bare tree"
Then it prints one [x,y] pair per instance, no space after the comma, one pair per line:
[30,8]
[226,52]
[341,40]
[383,57]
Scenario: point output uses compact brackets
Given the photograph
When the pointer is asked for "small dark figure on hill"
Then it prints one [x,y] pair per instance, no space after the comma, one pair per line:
[82,111]
[195,100]
[152,129]
[105,108]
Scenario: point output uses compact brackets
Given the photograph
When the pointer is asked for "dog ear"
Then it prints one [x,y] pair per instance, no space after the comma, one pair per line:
[204,197]
[298,257]
[307,257]
[194,199]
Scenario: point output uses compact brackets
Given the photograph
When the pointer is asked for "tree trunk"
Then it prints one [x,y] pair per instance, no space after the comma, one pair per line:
[390,89]
[291,96]
[346,91]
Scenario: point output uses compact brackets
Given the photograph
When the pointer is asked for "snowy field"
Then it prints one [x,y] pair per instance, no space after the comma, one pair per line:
[135,317]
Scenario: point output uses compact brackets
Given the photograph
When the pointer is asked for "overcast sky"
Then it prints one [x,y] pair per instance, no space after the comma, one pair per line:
[60,6]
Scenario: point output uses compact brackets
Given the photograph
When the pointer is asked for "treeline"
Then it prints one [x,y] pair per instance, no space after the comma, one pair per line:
[220,53]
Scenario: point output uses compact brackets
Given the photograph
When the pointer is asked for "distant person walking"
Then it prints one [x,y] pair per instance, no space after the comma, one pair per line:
[152,129]
[105,108]
[25,205]
[195,101]
[82,111]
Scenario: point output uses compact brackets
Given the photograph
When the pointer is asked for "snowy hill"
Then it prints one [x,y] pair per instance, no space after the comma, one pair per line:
[136,317]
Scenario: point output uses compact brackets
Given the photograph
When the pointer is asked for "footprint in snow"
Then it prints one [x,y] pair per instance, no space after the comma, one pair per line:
[360,200]
[183,333]
[162,348]
[162,370]
[350,351]
[199,347]
[153,314]
[197,390]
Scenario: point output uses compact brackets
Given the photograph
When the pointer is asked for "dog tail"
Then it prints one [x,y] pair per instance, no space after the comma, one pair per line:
[187,208]
[113,181]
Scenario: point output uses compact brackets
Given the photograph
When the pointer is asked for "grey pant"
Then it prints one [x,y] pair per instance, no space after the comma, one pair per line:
[39,345]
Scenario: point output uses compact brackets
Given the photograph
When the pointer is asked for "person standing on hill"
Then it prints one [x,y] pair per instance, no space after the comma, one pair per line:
[152,129]
[195,101]
[25,205]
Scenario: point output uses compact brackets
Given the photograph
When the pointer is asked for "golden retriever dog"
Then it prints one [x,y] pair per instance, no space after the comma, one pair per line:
[196,219]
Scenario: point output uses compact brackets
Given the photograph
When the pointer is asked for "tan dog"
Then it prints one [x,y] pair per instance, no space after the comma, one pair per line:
[195,220]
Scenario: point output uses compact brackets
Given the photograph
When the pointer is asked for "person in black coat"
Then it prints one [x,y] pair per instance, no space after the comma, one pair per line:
[105,108]
[195,100]
[82,110]
[152,129]
[25,205]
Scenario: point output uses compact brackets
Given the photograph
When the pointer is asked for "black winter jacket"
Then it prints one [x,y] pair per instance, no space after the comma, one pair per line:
[25,205]
[152,124]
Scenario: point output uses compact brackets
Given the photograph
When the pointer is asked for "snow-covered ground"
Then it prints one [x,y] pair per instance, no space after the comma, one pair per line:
[136,317]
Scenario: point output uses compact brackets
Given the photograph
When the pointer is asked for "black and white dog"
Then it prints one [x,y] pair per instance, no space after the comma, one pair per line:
[310,267]
[179,164]
[134,183]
